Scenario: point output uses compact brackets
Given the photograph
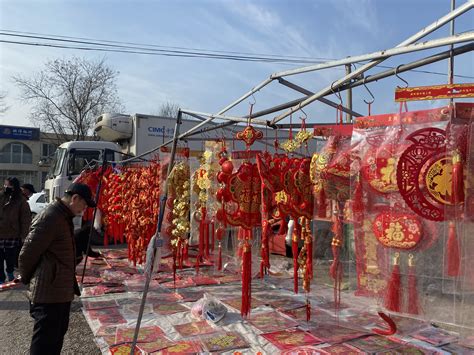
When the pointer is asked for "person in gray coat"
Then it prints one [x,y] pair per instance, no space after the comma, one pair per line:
[48,264]
[15,219]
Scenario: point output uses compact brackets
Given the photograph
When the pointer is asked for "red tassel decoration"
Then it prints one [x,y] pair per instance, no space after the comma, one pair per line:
[212,237]
[265,262]
[457,178]
[413,304]
[335,271]
[358,204]
[246,279]
[294,250]
[322,206]
[452,251]
[219,258]
[206,240]
[336,245]
[309,260]
[392,297]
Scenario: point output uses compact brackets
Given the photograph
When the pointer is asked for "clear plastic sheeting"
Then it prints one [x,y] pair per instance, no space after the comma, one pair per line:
[410,224]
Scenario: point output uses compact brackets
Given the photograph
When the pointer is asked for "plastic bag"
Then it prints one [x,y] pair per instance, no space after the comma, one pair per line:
[208,308]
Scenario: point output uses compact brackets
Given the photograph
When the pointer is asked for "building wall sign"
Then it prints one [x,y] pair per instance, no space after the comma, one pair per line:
[22,133]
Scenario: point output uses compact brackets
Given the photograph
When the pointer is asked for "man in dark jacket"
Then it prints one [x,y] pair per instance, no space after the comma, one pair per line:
[48,263]
[15,219]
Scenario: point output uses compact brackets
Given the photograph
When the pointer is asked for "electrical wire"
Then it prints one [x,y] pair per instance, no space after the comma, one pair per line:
[147,50]
[152,49]
[312,59]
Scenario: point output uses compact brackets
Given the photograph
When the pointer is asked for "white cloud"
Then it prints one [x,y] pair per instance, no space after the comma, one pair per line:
[358,13]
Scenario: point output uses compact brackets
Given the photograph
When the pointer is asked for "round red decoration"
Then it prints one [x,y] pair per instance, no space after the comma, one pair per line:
[426,158]
[397,230]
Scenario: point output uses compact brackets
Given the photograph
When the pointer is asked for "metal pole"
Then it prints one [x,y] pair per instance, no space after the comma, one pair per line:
[97,196]
[413,65]
[425,31]
[228,118]
[157,232]
[349,96]
[451,57]
[464,37]
[321,99]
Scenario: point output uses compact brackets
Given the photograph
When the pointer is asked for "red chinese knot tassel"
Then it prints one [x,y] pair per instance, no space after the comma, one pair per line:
[322,206]
[246,278]
[392,297]
[219,257]
[457,178]
[452,251]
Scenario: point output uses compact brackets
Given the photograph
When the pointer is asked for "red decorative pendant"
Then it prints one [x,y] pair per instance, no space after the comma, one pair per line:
[244,187]
[397,230]
[424,173]
[249,135]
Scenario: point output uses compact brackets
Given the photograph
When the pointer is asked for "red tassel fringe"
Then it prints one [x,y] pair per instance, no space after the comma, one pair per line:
[322,206]
[309,258]
[219,258]
[264,251]
[308,310]
[246,279]
[457,179]
[392,297]
[452,251]
[294,250]
[358,204]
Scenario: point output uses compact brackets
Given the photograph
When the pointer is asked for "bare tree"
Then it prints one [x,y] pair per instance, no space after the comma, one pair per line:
[168,109]
[68,94]
[3,105]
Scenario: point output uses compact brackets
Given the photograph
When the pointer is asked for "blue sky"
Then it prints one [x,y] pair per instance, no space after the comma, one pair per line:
[330,29]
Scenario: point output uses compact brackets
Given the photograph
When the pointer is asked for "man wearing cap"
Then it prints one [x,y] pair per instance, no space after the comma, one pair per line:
[48,263]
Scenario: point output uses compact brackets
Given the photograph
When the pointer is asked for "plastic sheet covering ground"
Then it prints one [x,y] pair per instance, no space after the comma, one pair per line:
[112,318]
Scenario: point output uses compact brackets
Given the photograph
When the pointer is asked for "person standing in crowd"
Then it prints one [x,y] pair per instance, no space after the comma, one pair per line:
[48,265]
[27,190]
[15,219]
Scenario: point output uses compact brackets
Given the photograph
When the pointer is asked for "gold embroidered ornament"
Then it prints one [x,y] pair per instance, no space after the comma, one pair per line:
[180,190]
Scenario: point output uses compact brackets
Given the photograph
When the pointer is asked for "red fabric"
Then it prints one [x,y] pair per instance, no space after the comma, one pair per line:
[452,251]
[392,299]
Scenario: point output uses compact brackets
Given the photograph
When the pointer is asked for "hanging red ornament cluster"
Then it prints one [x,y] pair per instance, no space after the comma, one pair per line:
[129,204]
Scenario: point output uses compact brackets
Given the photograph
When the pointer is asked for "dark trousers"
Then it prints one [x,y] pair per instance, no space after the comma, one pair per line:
[51,323]
[7,255]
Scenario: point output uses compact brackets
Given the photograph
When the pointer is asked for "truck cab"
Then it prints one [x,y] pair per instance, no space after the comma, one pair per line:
[71,158]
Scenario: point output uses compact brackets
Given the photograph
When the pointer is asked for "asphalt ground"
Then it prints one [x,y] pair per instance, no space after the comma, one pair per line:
[16,326]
